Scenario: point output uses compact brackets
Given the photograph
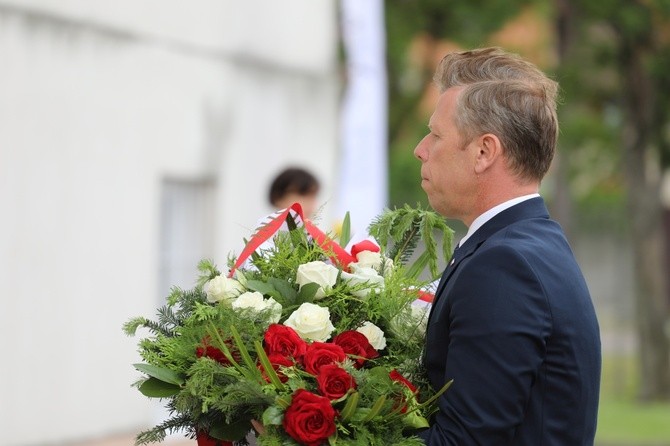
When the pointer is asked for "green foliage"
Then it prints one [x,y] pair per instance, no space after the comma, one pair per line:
[170,426]
[593,78]
[345,232]
[400,230]
[469,22]
[161,373]
[208,271]
[290,251]
[208,361]
[621,48]
[155,388]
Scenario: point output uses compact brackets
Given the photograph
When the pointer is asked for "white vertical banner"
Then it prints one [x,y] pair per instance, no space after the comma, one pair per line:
[364,160]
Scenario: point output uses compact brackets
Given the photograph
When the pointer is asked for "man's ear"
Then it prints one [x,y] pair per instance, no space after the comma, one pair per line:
[489,151]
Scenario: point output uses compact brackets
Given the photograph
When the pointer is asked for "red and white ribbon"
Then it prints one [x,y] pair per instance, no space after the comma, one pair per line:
[337,254]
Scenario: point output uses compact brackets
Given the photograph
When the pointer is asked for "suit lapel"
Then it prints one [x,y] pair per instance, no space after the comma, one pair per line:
[533,208]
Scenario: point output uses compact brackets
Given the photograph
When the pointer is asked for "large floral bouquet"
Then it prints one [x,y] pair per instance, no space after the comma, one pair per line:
[307,342]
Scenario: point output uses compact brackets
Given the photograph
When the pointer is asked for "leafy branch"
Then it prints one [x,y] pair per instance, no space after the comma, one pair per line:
[158,433]
[399,231]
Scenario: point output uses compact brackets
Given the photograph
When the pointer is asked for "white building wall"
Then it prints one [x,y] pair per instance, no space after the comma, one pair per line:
[100,102]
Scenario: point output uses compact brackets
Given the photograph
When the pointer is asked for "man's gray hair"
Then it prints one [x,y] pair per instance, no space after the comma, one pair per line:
[508,97]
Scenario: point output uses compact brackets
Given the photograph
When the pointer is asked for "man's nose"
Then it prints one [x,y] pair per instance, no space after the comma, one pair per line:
[420,151]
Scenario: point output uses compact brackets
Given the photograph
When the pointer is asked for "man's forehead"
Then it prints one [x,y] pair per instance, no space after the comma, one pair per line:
[445,104]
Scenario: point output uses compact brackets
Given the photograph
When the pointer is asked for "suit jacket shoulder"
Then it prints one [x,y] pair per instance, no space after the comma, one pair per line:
[514,326]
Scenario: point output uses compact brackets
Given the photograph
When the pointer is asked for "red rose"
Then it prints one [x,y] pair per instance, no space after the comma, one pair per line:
[205,440]
[209,351]
[319,354]
[397,377]
[285,341]
[334,382]
[310,419]
[277,361]
[356,344]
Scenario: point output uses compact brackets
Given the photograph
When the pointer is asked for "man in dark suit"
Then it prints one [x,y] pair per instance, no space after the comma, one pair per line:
[512,322]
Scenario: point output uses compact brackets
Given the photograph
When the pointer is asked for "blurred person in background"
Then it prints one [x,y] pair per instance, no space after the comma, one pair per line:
[291,185]
[512,322]
[295,185]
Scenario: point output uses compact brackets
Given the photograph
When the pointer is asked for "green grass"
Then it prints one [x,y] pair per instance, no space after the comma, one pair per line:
[622,419]
[628,423]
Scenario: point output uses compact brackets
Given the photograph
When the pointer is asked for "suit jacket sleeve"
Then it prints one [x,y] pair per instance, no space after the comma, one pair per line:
[498,321]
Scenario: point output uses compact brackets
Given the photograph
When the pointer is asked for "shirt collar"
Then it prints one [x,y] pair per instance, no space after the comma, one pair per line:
[488,215]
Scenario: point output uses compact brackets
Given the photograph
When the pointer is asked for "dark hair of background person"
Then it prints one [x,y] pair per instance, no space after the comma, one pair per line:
[292,180]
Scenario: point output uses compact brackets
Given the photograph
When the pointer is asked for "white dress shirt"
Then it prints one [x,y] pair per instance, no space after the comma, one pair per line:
[488,215]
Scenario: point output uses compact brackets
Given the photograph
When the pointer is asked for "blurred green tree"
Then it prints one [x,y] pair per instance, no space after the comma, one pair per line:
[418,31]
[614,71]
[612,59]
[616,62]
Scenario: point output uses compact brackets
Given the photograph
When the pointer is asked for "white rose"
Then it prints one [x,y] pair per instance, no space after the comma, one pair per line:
[222,288]
[321,273]
[359,276]
[374,334]
[370,259]
[255,301]
[311,322]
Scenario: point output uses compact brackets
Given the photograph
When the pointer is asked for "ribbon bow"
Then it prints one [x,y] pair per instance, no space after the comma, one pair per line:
[339,255]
